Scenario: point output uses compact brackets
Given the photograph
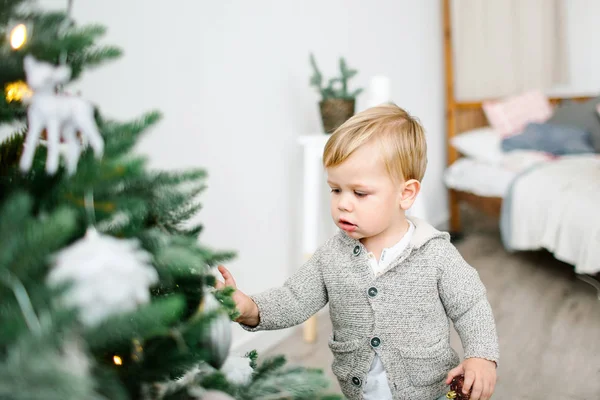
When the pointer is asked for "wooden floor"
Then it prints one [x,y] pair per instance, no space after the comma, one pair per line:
[548,323]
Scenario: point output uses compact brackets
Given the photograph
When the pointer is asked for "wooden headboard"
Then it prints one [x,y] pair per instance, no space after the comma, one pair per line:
[465,116]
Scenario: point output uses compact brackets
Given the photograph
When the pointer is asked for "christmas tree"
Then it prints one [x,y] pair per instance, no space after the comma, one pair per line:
[105,290]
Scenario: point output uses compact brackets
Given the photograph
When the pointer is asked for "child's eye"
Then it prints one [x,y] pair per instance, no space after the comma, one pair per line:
[335,190]
[360,194]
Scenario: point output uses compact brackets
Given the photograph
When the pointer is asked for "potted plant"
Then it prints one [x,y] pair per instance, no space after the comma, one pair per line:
[337,104]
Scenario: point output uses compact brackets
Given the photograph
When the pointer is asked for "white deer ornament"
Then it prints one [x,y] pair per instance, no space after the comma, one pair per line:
[62,116]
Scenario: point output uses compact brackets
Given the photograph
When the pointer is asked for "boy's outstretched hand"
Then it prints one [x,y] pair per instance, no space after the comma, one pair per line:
[480,376]
[245,305]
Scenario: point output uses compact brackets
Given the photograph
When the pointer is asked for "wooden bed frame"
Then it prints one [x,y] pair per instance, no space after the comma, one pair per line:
[461,117]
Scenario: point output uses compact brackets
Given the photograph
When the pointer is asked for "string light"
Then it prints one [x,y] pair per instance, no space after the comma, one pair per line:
[18,36]
[17,91]
[138,350]
[117,360]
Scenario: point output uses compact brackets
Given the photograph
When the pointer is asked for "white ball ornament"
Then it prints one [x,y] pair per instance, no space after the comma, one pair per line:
[109,276]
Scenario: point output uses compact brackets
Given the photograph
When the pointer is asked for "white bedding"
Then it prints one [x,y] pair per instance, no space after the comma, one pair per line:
[548,203]
[556,206]
[489,179]
[483,179]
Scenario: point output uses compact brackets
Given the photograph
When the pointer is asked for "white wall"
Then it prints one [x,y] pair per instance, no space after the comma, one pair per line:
[583,38]
[231,78]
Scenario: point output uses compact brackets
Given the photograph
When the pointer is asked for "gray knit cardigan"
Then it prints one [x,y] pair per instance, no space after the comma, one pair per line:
[401,314]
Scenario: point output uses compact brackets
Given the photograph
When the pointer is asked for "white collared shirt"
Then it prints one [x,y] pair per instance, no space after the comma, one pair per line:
[376,387]
[389,254]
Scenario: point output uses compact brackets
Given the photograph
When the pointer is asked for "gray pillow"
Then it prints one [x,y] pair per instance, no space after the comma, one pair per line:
[580,115]
[550,138]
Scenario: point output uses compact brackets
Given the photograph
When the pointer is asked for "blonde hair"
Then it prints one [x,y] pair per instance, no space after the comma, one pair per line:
[400,136]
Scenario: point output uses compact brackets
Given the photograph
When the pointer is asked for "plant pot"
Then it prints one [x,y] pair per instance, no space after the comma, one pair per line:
[334,112]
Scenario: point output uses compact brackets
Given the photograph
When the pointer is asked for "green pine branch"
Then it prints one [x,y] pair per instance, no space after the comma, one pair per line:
[36,368]
[129,353]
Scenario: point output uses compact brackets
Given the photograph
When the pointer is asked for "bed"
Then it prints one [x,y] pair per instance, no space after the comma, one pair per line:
[553,199]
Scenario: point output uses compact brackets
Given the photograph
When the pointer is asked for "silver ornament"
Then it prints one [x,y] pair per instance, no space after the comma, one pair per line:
[215,395]
[219,336]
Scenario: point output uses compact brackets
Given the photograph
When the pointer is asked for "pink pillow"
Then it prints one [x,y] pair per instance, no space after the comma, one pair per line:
[509,116]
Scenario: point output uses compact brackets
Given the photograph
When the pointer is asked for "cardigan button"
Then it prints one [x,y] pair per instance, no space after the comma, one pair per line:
[372,291]
[356,381]
[356,250]
[375,342]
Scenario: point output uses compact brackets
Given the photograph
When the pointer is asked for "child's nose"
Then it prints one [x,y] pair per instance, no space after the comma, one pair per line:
[345,204]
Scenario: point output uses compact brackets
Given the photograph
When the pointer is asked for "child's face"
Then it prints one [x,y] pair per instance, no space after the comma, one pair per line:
[365,202]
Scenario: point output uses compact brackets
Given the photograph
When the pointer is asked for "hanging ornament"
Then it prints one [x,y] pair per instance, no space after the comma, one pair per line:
[214,395]
[60,114]
[456,389]
[109,276]
[17,91]
[219,336]
[74,358]
[237,370]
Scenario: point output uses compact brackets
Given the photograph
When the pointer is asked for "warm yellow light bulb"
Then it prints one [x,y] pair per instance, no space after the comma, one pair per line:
[18,36]
[117,360]
[17,91]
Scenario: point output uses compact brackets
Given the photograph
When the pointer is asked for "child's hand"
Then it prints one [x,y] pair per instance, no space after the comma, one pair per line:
[245,305]
[480,375]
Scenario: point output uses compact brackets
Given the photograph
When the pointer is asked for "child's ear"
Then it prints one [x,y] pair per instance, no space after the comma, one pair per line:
[409,193]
